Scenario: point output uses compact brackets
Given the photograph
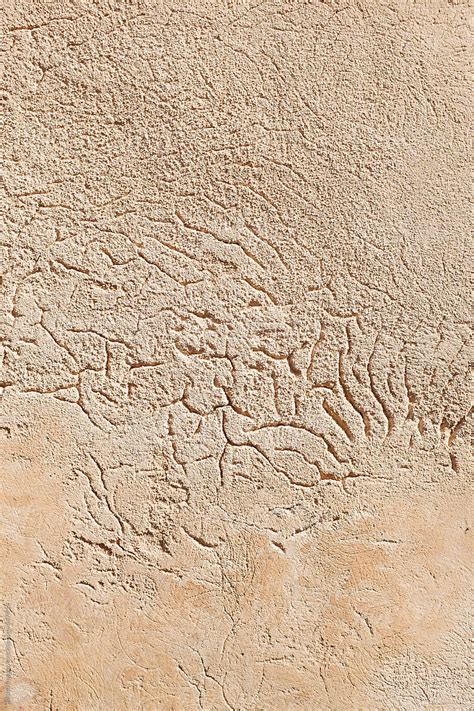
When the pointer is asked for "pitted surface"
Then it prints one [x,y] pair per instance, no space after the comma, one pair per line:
[235,330]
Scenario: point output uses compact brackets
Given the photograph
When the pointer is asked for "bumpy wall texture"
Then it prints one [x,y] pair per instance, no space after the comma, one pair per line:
[235,354]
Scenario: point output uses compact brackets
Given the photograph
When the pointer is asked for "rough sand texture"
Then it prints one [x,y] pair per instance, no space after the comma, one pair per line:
[235,355]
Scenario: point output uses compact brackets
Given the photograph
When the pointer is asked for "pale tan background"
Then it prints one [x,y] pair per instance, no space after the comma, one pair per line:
[235,355]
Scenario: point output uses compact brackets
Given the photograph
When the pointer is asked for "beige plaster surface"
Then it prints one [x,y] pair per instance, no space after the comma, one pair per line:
[235,330]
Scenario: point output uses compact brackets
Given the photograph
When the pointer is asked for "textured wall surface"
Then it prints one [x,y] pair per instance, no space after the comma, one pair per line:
[235,325]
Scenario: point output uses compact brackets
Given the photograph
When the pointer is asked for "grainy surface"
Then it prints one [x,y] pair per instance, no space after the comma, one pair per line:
[235,355]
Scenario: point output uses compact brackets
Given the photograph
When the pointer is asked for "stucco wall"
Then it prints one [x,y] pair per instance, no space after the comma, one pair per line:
[235,326]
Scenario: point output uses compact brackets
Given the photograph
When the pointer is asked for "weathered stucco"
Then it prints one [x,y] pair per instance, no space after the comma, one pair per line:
[235,326]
